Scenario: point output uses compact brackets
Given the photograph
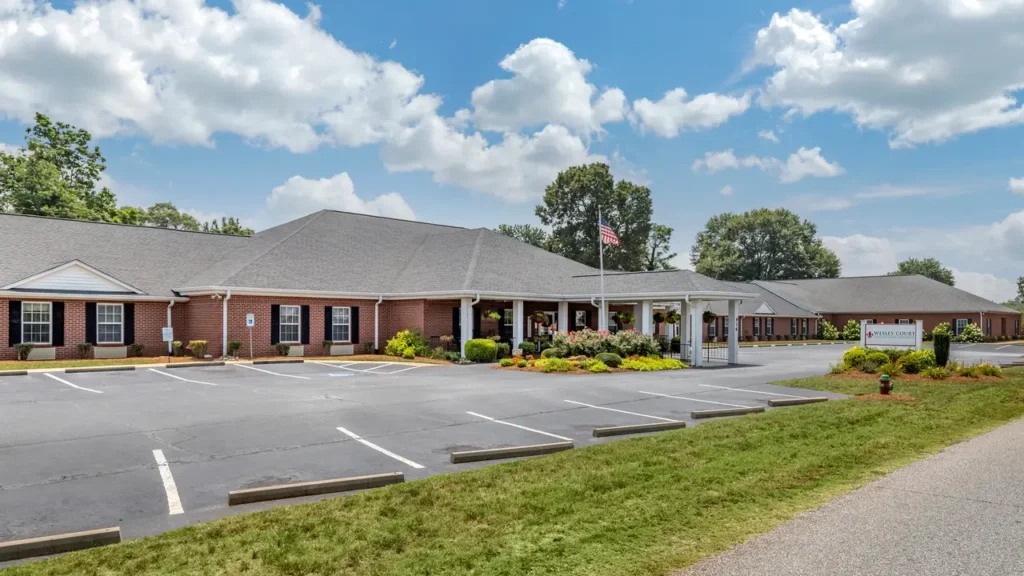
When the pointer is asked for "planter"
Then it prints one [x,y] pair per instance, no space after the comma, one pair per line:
[297,350]
[42,354]
[342,350]
[101,352]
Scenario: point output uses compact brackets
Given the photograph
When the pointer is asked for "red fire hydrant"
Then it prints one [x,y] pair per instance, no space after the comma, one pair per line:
[884,385]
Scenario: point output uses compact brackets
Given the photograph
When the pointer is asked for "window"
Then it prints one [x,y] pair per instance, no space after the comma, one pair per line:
[792,327]
[508,317]
[725,327]
[988,326]
[109,326]
[341,324]
[803,327]
[757,326]
[903,321]
[35,322]
[290,319]
[960,323]
[552,324]
[869,321]
[712,329]
[581,318]
[769,328]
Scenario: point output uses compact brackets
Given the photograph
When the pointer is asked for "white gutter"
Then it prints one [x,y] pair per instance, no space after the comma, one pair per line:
[376,324]
[451,295]
[92,296]
[224,329]
[475,302]
[170,348]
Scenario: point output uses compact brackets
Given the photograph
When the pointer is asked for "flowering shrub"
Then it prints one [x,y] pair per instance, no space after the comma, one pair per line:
[970,333]
[651,364]
[591,343]
[407,339]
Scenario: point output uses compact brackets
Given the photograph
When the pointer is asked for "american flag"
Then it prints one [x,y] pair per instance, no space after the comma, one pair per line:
[608,235]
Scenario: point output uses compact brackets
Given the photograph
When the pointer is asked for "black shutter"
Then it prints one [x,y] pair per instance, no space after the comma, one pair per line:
[476,321]
[275,323]
[305,324]
[354,324]
[456,323]
[329,323]
[14,322]
[57,324]
[129,323]
[90,322]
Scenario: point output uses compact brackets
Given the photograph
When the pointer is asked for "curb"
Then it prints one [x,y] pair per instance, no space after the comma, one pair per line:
[637,429]
[13,373]
[193,364]
[513,452]
[47,545]
[796,401]
[697,414]
[247,496]
[99,369]
[298,361]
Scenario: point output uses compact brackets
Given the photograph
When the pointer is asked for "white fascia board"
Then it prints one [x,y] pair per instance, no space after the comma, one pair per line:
[92,296]
[242,291]
[75,263]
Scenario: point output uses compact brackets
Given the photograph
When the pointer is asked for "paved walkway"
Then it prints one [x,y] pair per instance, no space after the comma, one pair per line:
[960,512]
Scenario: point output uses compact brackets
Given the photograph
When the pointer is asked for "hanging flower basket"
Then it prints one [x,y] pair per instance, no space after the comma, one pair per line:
[672,317]
[626,318]
[492,315]
[540,318]
[659,317]
[709,316]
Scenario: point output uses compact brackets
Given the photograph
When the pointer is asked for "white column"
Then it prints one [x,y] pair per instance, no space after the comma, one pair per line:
[734,342]
[697,343]
[647,319]
[602,316]
[684,324]
[638,314]
[466,312]
[563,317]
[517,323]
[920,334]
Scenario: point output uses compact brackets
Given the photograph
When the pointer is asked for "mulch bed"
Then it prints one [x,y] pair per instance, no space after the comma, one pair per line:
[915,377]
[887,397]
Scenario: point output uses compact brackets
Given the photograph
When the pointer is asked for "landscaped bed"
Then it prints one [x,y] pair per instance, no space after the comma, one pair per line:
[87,362]
[602,364]
[644,506]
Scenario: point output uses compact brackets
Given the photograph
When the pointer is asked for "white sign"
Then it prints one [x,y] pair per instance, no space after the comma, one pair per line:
[167,333]
[891,335]
[250,320]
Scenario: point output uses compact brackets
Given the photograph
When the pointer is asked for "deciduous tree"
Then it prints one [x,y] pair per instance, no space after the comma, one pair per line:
[533,235]
[927,267]
[658,246]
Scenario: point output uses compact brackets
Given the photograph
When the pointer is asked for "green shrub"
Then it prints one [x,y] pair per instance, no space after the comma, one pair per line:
[407,339]
[837,368]
[916,361]
[409,353]
[438,353]
[941,328]
[854,357]
[528,347]
[282,348]
[481,350]
[966,370]
[870,366]
[877,356]
[522,364]
[941,346]
[891,368]
[610,359]
[549,353]
[198,348]
[651,364]
[554,365]
[597,367]
[452,356]
[503,350]
[852,330]
[989,369]
[233,347]
[177,348]
[85,350]
[23,350]
[971,333]
[138,349]
[936,373]
[828,331]
[505,362]
[895,354]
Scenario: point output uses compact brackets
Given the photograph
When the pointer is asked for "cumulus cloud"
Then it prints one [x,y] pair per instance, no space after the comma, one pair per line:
[10,149]
[624,169]
[725,160]
[986,285]
[808,162]
[862,255]
[768,135]
[299,196]
[1017,186]
[726,190]
[674,113]
[899,66]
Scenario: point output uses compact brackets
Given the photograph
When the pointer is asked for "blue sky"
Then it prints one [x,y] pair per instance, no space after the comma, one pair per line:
[884,130]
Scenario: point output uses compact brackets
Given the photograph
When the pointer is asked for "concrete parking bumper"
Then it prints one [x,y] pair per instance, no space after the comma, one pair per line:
[99,369]
[637,429]
[47,545]
[511,452]
[193,364]
[698,414]
[775,402]
[296,490]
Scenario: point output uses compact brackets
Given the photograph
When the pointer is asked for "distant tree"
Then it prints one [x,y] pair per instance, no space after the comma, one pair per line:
[1020,288]
[230,226]
[131,215]
[927,267]
[167,215]
[658,246]
[762,244]
[533,235]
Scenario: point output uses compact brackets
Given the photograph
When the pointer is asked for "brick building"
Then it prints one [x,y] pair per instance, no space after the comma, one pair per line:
[340,283]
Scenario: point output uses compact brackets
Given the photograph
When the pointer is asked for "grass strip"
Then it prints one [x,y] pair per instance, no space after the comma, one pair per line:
[642,506]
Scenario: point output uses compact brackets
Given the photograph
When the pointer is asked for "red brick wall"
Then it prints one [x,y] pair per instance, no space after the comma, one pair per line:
[203,322]
[438,318]
[239,306]
[398,315]
[930,320]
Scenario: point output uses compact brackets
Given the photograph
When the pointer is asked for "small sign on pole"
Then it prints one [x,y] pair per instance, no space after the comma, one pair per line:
[250,321]
[167,334]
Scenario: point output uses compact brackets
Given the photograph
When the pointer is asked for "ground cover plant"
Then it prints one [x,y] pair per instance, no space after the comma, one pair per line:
[914,364]
[644,506]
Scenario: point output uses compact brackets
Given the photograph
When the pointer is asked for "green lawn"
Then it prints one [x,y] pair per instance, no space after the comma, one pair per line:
[643,506]
[33,364]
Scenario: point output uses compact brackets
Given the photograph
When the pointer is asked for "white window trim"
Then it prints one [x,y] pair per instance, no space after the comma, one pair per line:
[509,317]
[713,329]
[803,326]
[333,323]
[904,321]
[98,323]
[298,323]
[958,327]
[792,326]
[49,331]
[769,327]
[757,326]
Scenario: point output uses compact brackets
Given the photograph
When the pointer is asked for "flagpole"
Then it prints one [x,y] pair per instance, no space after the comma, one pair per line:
[600,251]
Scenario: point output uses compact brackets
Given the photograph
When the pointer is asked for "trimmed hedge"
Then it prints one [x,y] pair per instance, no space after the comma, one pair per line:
[609,359]
[481,350]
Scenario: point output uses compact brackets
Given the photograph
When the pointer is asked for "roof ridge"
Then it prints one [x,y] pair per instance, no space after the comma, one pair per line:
[391,218]
[315,216]
[123,225]
[472,260]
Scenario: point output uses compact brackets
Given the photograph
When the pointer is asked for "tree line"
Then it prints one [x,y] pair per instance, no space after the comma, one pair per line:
[57,174]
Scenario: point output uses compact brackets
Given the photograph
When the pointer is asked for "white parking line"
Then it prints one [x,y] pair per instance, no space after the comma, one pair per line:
[751,391]
[1007,346]
[376,367]
[402,370]
[694,399]
[173,501]
[496,421]
[383,451]
[269,372]
[343,367]
[620,411]
[63,381]
[182,379]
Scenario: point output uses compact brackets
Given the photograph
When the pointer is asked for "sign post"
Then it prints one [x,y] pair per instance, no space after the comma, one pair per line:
[891,335]
[250,321]
[167,335]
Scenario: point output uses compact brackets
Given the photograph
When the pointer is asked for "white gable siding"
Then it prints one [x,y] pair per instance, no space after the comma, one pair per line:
[73,279]
[764,308]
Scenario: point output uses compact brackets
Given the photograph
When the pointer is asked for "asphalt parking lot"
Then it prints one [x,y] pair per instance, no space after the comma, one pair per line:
[154,449]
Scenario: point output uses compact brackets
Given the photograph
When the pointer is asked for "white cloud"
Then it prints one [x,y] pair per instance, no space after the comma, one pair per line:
[889,191]
[562,3]
[985,285]
[808,162]
[1017,186]
[623,169]
[726,159]
[817,203]
[862,255]
[300,196]
[10,149]
[393,44]
[768,135]
[548,85]
[673,114]
[899,66]
[726,190]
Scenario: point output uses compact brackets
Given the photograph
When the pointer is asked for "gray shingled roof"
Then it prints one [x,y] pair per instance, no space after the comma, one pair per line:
[154,260]
[749,307]
[879,294]
[657,282]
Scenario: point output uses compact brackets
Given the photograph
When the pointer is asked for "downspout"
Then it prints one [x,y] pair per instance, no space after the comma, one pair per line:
[376,324]
[170,346]
[475,302]
[224,328]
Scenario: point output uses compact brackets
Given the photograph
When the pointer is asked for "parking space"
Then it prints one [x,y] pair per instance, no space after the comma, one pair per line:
[156,448]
